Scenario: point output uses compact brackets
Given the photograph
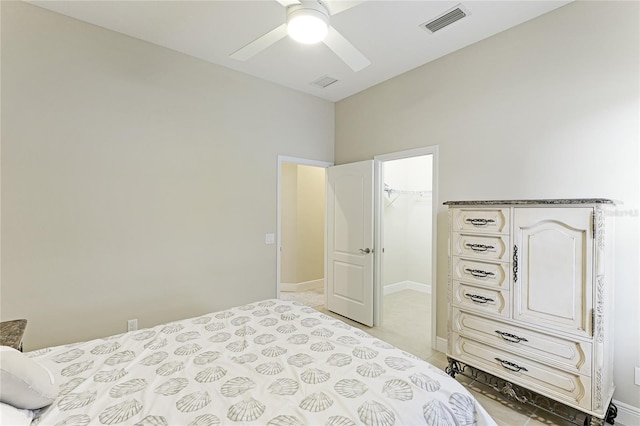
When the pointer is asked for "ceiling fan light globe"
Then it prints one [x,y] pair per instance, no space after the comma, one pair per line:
[306,24]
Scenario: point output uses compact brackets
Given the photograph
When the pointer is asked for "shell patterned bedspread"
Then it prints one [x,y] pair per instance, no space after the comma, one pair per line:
[267,363]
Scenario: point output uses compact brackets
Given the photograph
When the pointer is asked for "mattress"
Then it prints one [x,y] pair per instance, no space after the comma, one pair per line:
[272,362]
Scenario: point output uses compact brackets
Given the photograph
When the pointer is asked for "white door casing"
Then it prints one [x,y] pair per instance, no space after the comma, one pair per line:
[349,240]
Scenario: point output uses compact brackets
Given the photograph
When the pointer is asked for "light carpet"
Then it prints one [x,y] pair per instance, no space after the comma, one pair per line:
[313,298]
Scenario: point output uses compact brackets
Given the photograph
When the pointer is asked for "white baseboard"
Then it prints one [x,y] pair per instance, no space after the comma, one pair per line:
[303,286]
[441,344]
[407,285]
[628,415]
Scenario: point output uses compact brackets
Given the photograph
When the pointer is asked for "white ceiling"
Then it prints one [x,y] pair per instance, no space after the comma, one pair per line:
[386,32]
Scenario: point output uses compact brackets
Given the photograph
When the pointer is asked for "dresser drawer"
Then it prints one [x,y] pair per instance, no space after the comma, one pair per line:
[486,273]
[492,220]
[573,356]
[569,388]
[483,300]
[478,246]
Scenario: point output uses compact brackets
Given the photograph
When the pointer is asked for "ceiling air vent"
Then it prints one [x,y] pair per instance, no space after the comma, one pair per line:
[447,18]
[323,82]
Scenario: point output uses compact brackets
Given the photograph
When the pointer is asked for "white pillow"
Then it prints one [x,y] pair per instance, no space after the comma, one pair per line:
[25,383]
[10,415]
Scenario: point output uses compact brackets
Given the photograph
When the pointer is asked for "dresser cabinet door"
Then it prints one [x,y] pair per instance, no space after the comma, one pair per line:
[552,268]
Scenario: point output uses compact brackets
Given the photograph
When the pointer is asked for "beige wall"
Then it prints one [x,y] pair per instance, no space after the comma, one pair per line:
[302,223]
[548,109]
[311,211]
[137,182]
[289,223]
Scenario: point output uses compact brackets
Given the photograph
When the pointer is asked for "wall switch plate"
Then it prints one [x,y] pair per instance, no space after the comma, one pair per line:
[637,376]
[132,325]
[269,238]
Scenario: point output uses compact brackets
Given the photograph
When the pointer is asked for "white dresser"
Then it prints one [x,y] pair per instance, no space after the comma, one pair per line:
[530,300]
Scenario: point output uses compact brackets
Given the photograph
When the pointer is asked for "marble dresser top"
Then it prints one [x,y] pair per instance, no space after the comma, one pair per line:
[525,202]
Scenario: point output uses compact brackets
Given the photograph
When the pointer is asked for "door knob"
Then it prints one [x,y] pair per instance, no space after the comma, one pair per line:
[365,251]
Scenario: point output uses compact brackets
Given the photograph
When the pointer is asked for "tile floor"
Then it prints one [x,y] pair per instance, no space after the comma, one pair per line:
[407,326]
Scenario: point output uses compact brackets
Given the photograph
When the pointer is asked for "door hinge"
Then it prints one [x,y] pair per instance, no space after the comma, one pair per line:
[593,225]
[593,322]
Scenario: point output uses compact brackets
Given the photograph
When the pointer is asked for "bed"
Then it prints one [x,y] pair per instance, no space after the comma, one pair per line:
[267,363]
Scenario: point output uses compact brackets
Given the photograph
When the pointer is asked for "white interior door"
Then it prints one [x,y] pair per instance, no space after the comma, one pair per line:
[349,242]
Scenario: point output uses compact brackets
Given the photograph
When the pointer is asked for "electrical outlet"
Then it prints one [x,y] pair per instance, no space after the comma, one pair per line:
[637,378]
[132,325]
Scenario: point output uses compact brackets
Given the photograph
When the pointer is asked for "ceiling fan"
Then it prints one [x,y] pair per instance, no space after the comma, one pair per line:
[308,22]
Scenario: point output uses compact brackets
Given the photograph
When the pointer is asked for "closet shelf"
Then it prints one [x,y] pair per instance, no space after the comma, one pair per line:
[397,192]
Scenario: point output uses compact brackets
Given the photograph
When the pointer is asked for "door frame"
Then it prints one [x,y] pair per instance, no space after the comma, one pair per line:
[283,159]
[378,228]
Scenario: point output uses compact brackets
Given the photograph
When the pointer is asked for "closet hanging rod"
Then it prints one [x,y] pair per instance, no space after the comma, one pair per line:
[390,191]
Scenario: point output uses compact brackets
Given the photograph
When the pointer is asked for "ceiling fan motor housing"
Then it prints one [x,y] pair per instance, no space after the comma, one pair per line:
[307,22]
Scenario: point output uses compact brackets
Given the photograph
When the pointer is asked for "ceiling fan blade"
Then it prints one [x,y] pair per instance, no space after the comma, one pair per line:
[345,50]
[337,6]
[261,43]
[286,3]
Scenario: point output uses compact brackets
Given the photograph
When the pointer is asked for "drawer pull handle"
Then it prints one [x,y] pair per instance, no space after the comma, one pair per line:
[479,299]
[479,273]
[510,365]
[511,337]
[479,221]
[515,264]
[479,247]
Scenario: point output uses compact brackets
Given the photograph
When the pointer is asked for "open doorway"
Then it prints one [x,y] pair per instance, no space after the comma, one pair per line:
[406,235]
[301,231]
[422,327]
